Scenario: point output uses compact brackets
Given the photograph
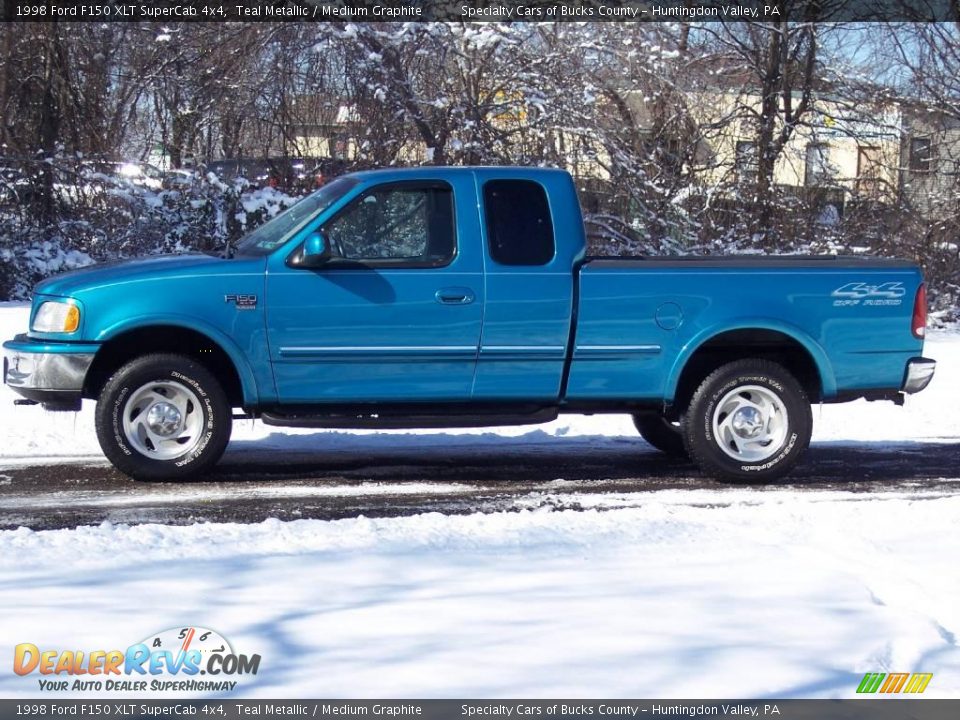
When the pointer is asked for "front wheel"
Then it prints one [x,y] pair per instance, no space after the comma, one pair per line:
[163,417]
[749,421]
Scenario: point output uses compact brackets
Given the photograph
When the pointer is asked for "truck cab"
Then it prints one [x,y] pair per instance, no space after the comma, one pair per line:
[416,296]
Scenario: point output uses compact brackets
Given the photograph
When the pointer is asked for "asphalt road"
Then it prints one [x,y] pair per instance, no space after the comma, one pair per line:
[252,485]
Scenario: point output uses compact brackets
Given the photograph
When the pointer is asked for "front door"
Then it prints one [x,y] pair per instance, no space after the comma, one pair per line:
[395,314]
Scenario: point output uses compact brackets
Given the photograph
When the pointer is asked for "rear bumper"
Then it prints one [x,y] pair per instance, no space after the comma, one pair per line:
[918,374]
[49,373]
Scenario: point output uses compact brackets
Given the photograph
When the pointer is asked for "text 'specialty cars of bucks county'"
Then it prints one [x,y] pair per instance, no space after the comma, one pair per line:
[437,297]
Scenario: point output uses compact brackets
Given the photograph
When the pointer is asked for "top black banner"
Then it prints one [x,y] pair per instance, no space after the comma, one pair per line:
[483,10]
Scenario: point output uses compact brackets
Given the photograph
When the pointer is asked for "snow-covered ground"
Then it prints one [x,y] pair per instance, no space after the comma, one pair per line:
[769,595]
[685,593]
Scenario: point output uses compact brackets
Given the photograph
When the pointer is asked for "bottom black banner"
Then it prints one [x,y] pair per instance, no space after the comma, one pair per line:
[874,709]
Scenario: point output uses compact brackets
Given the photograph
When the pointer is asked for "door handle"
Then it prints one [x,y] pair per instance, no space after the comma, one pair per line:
[454,296]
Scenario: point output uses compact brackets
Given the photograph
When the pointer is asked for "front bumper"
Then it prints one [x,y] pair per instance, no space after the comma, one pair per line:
[45,372]
[918,374]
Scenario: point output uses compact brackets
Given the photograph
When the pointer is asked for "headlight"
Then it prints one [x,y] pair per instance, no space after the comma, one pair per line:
[56,317]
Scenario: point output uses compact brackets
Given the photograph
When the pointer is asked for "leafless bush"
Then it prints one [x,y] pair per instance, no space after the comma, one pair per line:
[681,138]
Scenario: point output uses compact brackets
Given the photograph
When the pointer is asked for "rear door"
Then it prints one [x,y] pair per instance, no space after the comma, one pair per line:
[396,313]
[531,243]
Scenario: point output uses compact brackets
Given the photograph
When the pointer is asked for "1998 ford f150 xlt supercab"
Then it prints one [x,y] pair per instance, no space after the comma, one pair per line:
[437,297]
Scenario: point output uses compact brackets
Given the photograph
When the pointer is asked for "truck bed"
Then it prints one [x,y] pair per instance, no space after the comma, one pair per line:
[639,319]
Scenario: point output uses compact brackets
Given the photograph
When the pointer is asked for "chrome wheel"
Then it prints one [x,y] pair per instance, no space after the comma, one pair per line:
[750,423]
[163,420]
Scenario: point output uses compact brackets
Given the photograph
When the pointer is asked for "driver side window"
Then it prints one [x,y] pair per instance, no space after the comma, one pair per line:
[396,226]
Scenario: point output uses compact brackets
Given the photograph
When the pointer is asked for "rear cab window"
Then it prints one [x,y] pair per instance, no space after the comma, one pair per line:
[518,222]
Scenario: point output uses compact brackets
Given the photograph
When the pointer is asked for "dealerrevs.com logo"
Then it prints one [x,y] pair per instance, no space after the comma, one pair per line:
[190,659]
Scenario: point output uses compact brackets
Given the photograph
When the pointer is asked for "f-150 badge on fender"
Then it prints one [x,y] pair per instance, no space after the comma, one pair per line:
[243,302]
[859,293]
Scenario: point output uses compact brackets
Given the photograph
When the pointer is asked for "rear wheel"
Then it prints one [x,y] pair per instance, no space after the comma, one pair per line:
[163,417]
[749,421]
[658,431]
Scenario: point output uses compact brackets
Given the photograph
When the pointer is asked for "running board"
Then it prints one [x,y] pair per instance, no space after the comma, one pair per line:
[393,421]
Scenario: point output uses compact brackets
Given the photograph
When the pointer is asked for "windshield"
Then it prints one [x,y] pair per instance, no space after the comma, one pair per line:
[277,231]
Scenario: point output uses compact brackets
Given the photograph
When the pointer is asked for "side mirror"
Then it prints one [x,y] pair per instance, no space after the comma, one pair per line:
[316,250]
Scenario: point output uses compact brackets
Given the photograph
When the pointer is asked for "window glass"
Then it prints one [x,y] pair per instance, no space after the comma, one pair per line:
[519,227]
[274,233]
[921,154]
[396,223]
[819,169]
[747,161]
[869,170]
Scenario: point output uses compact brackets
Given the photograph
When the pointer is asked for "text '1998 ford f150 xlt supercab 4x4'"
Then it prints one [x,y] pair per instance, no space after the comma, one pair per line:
[438,297]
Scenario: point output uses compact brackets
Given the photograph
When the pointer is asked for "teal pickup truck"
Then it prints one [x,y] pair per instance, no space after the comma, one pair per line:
[438,297]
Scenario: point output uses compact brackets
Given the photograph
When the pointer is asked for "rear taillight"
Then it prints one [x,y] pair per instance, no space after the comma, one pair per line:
[919,324]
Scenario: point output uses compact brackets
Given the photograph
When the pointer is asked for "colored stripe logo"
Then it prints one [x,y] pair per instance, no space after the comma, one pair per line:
[888,683]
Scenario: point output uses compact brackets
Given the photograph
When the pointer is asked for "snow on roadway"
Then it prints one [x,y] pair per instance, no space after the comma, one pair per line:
[693,593]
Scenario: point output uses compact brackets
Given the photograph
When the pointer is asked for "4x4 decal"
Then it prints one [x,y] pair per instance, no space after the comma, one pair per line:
[857,293]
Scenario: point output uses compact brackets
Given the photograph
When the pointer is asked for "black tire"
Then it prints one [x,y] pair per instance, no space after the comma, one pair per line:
[661,433]
[706,447]
[213,423]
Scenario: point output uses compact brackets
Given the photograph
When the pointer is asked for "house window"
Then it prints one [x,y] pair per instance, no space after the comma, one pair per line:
[921,155]
[819,171]
[746,161]
[671,157]
[868,170]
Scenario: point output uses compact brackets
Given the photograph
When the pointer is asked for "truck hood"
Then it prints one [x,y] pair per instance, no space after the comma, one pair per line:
[161,266]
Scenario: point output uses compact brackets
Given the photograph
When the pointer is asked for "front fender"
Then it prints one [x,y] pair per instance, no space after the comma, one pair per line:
[248,382]
[828,381]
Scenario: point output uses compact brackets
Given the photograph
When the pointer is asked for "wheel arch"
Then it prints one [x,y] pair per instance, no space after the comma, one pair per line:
[206,345]
[788,345]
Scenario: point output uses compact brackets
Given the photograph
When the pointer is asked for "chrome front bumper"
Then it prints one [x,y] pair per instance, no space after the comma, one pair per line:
[52,378]
[918,375]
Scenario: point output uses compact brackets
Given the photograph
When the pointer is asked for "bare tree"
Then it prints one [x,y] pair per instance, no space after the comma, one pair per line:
[776,67]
